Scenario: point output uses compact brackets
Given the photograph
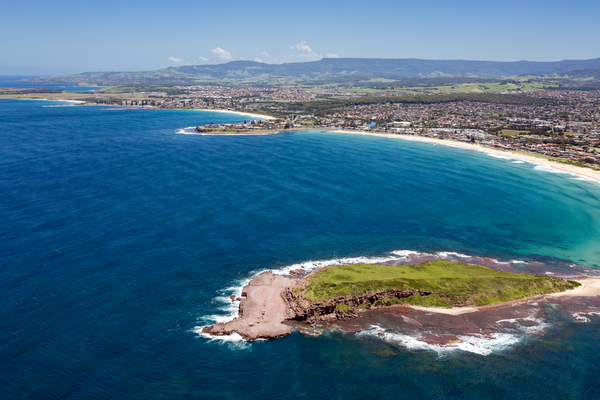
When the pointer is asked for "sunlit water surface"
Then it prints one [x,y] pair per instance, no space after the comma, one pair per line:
[120,237]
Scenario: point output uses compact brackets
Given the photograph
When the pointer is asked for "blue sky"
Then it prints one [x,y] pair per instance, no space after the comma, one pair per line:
[63,36]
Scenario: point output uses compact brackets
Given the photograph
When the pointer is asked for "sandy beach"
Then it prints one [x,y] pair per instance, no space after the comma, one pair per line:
[236,112]
[571,169]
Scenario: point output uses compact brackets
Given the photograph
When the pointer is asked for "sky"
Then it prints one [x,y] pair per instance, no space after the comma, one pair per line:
[64,36]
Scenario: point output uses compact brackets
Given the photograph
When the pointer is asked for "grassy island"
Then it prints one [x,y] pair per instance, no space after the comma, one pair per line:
[337,293]
[438,283]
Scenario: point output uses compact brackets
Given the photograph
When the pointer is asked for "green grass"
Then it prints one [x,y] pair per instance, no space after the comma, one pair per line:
[484,87]
[511,132]
[452,283]
[342,307]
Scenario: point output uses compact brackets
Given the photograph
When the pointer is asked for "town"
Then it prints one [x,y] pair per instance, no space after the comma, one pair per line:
[560,124]
[568,129]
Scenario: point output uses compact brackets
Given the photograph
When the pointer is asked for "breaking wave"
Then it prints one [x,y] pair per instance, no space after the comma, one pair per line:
[499,156]
[475,343]
[552,170]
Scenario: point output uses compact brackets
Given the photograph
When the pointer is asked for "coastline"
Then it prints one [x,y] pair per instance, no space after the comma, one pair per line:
[252,115]
[66,101]
[565,168]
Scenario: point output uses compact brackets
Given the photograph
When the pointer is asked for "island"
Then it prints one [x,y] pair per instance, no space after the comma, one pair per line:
[270,304]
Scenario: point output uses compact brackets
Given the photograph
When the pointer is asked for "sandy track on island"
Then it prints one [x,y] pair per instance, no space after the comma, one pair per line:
[262,312]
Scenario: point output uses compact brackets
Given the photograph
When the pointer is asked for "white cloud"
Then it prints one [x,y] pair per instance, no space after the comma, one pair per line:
[200,58]
[306,53]
[264,53]
[258,60]
[175,60]
[223,55]
[331,55]
[303,48]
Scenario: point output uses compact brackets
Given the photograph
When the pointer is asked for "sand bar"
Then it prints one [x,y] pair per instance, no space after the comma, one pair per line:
[571,169]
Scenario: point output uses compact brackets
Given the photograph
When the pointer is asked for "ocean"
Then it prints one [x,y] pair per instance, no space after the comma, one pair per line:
[121,238]
[17,81]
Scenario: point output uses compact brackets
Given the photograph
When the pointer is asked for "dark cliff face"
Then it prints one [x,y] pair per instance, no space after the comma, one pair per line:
[300,309]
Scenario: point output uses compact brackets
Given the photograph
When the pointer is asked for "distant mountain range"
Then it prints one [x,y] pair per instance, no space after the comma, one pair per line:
[255,72]
[582,74]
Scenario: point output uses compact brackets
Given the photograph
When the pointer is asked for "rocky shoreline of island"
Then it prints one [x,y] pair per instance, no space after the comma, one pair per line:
[272,305]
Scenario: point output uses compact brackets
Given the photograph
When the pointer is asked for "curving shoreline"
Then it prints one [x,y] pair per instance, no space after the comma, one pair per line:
[565,168]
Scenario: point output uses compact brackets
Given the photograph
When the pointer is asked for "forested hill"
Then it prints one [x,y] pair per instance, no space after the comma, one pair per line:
[251,71]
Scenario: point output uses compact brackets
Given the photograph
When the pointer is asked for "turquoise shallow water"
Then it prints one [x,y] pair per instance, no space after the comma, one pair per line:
[119,237]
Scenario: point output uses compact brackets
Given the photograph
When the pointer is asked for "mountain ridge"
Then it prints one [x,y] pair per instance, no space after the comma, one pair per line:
[253,71]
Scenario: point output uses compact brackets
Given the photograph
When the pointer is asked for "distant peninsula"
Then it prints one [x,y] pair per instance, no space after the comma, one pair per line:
[263,127]
[270,302]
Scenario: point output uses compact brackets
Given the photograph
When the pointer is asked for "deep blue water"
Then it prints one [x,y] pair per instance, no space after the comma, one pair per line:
[118,236]
[16,81]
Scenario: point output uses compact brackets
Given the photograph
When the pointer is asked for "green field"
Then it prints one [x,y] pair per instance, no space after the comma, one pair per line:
[485,87]
[511,132]
[451,283]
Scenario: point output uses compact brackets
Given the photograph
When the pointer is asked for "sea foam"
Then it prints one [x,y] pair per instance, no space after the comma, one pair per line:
[235,341]
[478,343]
[499,156]
[552,170]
